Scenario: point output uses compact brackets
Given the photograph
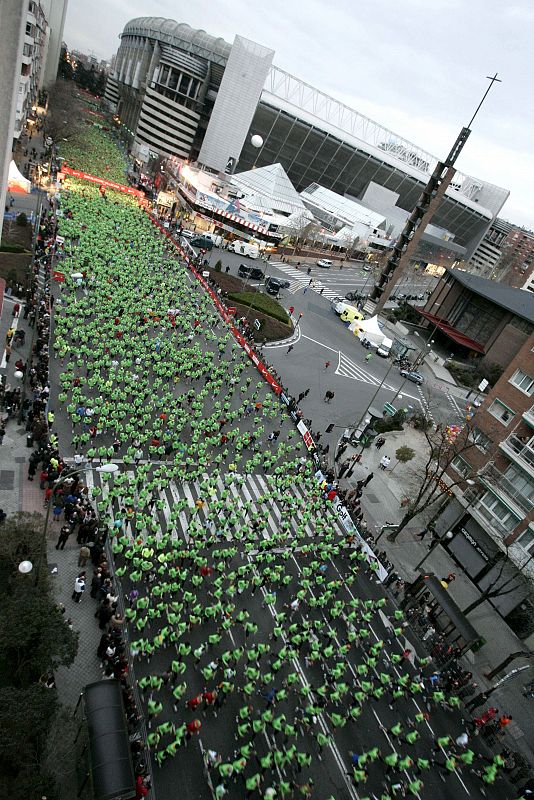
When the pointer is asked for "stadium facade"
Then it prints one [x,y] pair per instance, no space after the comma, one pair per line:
[183,92]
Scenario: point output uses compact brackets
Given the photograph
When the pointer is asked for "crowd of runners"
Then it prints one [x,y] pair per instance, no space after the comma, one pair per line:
[259,629]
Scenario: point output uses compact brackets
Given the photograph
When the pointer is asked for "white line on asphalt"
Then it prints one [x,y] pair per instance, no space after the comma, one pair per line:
[285,344]
[320,343]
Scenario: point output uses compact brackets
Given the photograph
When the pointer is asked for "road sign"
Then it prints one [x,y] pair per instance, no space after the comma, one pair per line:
[257,324]
[232,310]
[389,409]
[205,274]
[483,385]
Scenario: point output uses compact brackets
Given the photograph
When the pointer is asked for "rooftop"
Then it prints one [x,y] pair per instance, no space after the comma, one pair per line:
[517,301]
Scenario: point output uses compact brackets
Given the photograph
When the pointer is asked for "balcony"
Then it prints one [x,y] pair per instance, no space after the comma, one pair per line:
[520,452]
[528,416]
[493,527]
[497,482]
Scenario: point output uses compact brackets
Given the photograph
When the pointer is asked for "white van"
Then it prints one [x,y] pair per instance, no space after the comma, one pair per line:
[215,238]
[244,249]
[384,349]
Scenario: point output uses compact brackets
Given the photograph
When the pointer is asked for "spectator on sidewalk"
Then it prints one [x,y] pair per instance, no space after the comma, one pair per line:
[63,538]
[83,556]
[385,462]
[79,587]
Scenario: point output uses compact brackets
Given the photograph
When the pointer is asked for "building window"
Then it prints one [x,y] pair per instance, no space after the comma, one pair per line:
[501,412]
[523,382]
[493,509]
[480,439]
[461,466]
[526,540]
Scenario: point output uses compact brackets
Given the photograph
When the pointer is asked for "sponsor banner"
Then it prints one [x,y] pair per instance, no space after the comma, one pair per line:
[102,182]
[345,520]
[165,199]
[59,277]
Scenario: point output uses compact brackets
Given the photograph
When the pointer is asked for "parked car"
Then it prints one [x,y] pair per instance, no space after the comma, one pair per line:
[273,285]
[202,242]
[366,267]
[335,302]
[415,377]
[325,263]
[254,273]
[187,234]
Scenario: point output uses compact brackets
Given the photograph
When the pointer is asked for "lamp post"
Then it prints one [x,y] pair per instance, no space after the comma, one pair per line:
[103,468]
[379,387]
[445,538]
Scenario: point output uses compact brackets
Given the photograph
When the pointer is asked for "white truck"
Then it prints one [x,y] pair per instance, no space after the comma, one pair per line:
[384,349]
[215,238]
[244,249]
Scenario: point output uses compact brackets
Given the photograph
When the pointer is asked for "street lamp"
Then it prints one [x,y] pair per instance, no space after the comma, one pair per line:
[25,567]
[107,469]
[445,538]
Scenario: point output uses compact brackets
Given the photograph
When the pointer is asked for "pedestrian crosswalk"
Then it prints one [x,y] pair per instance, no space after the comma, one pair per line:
[348,369]
[247,495]
[302,280]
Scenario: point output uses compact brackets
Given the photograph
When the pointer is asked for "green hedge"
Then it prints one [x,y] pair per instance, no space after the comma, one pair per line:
[13,248]
[261,302]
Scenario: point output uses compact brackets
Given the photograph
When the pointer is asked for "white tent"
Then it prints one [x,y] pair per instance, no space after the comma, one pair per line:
[368,329]
[272,185]
[16,182]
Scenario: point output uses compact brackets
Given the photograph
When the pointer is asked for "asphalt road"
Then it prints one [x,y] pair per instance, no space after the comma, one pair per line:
[184,773]
[331,773]
[323,337]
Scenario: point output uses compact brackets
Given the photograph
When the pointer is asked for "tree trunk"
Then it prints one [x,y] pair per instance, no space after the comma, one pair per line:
[476,603]
[512,657]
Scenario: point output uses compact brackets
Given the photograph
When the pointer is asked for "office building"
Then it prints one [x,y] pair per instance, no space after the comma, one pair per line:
[176,92]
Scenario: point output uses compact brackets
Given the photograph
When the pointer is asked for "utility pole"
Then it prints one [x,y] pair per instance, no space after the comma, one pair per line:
[427,205]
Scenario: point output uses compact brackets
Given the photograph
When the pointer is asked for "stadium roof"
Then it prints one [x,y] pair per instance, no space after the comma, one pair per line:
[272,184]
[517,301]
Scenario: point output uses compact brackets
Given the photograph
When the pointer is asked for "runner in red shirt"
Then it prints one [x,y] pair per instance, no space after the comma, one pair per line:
[194,703]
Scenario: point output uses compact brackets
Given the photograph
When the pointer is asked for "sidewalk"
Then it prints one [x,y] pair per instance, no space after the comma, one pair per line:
[18,494]
[381,504]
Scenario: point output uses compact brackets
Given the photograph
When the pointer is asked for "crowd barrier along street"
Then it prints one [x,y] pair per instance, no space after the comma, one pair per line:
[102,182]
[345,520]
[238,336]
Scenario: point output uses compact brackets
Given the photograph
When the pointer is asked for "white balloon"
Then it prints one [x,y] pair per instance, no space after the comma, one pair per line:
[256,141]
[18,374]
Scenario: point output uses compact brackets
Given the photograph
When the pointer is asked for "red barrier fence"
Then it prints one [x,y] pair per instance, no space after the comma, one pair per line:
[117,187]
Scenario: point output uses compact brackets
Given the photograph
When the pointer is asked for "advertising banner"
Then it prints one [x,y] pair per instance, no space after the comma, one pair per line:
[345,520]
[118,187]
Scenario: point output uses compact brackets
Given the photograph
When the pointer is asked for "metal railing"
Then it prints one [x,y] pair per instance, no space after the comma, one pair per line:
[498,482]
[521,449]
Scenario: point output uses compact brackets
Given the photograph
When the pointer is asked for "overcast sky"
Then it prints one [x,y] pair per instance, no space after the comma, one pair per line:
[416,66]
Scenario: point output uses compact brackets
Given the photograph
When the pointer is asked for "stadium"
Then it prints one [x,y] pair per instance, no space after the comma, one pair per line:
[186,93]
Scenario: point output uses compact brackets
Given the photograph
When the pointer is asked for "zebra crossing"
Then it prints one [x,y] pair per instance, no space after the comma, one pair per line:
[424,404]
[248,495]
[348,369]
[302,281]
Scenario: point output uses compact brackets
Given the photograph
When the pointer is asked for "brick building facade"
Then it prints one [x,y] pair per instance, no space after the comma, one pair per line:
[492,513]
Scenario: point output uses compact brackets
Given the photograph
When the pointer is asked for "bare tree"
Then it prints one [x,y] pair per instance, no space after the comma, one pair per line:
[432,483]
[498,587]
[64,116]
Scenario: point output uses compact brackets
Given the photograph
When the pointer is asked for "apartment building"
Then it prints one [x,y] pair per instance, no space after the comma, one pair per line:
[491,514]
